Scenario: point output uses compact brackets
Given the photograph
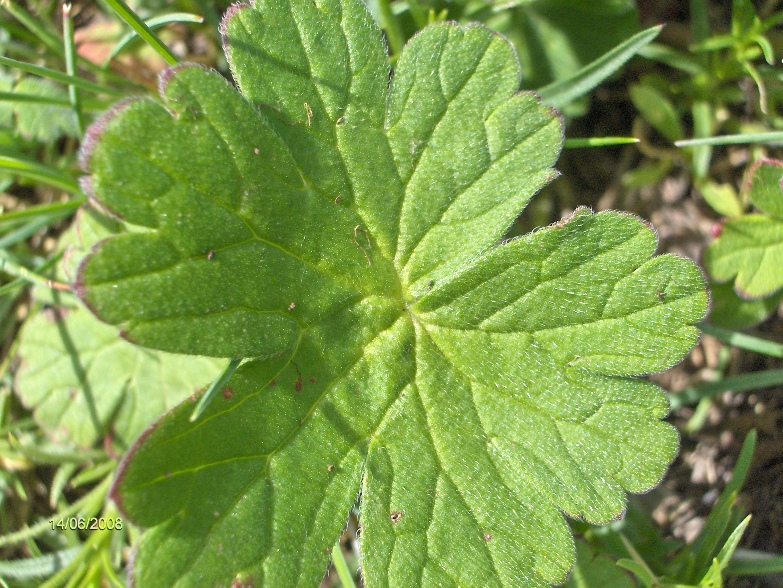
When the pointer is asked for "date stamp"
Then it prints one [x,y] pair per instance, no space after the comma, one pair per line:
[91,524]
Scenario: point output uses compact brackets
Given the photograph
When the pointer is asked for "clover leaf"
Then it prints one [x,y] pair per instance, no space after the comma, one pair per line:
[340,232]
[750,248]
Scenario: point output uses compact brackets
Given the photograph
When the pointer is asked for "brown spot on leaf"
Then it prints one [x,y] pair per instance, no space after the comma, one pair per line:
[272,384]
[395,516]
[228,393]
[298,384]
[309,112]
[312,380]
[358,229]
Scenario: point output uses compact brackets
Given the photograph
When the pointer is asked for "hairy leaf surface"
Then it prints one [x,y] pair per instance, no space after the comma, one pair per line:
[340,233]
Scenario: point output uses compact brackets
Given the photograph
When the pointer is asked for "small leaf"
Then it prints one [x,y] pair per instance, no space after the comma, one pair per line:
[657,110]
[730,311]
[750,251]
[743,18]
[766,187]
[340,233]
[723,198]
[593,570]
[45,123]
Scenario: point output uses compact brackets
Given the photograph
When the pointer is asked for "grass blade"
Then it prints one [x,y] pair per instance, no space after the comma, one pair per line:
[598,142]
[95,105]
[138,25]
[58,209]
[60,77]
[39,173]
[42,525]
[213,389]
[32,98]
[341,566]
[24,232]
[18,283]
[48,38]
[154,23]
[70,65]
[742,340]
[741,383]
[772,138]
[748,562]
[562,92]
[56,45]
[19,271]
[672,58]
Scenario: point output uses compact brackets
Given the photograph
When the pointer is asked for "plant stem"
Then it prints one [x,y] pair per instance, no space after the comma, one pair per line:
[58,76]
[742,340]
[342,566]
[741,383]
[70,66]
[132,19]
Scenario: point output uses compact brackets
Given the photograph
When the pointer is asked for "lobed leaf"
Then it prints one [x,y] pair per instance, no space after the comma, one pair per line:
[341,233]
[750,248]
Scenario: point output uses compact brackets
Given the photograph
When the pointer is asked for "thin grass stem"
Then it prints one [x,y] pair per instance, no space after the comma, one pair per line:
[132,19]
[60,77]
[70,66]
[40,173]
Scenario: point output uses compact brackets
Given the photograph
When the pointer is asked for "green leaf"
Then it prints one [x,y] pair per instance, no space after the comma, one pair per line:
[733,312]
[750,251]
[557,38]
[657,110]
[766,187]
[42,122]
[593,570]
[750,248]
[723,198]
[341,234]
[82,379]
[562,92]
[747,562]
[743,18]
